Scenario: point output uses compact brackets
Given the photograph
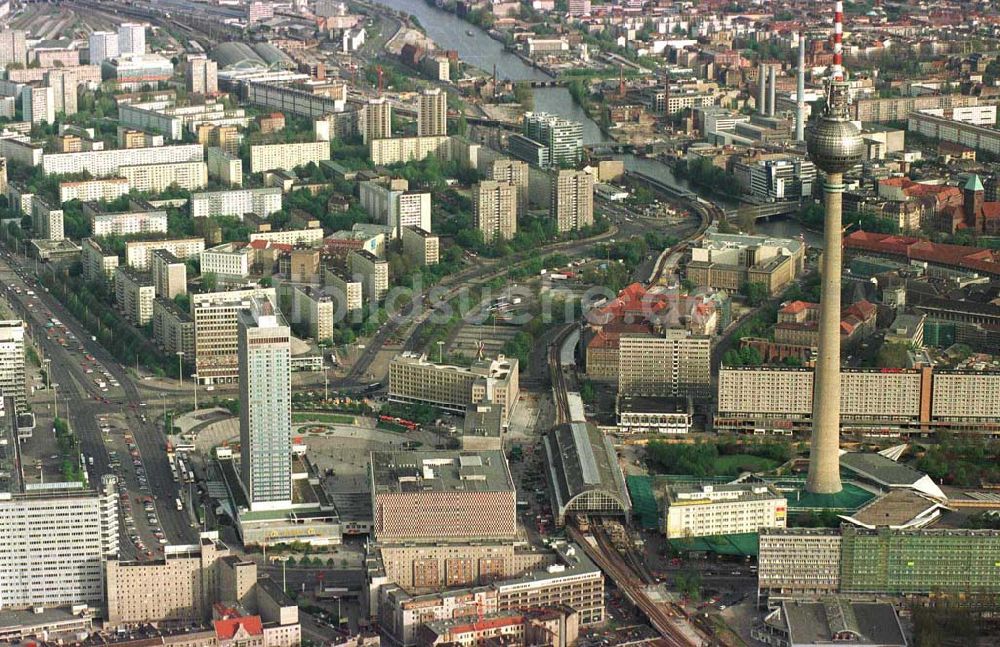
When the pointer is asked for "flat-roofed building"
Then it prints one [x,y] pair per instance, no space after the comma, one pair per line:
[482,428]
[374,273]
[397,150]
[674,363]
[729,261]
[173,330]
[181,586]
[108,190]
[705,510]
[215,328]
[56,535]
[412,378]
[345,290]
[134,294]
[432,113]
[494,209]
[307,306]
[267,157]
[515,172]
[47,221]
[98,265]
[798,563]
[12,383]
[138,220]
[169,274]
[420,245]
[157,178]
[106,163]
[230,262]
[308,236]
[572,196]
[139,253]
[442,496]
[225,167]
[238,202]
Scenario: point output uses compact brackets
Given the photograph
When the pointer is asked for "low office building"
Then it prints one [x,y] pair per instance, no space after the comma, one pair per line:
[230,262]
[182,586]
[437,496]
[134,294]
[57,535]
[482,429]
[374,273]
[139,253]
[551,626]
[261,202]
[729,261]
[157,178]
[267,157]
[420,245]
[641,415]
[703,511]
[98,265]
[412,378]
[133,71]
[173,330]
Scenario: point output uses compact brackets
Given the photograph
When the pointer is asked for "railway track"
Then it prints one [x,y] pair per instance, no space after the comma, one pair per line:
[614,566]
[558,377]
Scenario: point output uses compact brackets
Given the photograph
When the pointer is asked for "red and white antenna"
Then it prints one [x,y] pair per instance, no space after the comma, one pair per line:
[838,41]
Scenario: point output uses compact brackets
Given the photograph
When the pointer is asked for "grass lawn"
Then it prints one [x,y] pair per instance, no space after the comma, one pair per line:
[332,418]
[744,463]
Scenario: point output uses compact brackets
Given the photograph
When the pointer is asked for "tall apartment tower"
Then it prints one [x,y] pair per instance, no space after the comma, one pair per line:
[563,138]
[432,113]
[202,76]
[103,45]
[572,201]
[13,48]
[38,104]
[515,172]
[131,38]
[376,119]
[64,86]
[12,362]
[265,364]
[835,146]
[494,209]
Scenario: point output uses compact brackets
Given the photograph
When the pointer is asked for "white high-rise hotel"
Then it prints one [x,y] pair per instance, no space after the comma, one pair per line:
[265,361]
[12,361]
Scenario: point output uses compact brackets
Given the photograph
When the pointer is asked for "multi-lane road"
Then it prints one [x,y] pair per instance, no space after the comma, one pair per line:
[84,402]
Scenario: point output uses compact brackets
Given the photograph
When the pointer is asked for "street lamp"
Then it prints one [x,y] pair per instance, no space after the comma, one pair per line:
[194,376]
[326,385]
[440,352]
[55,399]
[47,362]
[180,367]
[164,403]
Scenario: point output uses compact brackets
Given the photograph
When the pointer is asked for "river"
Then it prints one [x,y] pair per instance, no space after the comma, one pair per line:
[449,31]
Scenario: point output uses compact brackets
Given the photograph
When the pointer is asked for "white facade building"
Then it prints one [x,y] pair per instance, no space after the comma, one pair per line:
[706,510]
[262,202]
[107,163]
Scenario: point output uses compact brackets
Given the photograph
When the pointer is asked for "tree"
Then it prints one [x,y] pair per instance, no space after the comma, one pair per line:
[209,281]
[756,293]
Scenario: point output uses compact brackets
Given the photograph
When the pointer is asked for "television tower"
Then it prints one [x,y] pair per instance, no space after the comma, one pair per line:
[835,146]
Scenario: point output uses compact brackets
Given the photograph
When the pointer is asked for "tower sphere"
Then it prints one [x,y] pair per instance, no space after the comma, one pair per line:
[834,144]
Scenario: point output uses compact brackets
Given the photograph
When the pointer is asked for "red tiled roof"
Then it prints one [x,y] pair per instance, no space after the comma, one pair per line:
[794,307]
[226,629]
[972,258]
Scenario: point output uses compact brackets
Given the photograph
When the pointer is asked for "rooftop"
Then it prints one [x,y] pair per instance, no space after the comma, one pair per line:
[900,508]
[499,368]
[440,471]
[842,622]
[581,459]
[682,495]
[888,472]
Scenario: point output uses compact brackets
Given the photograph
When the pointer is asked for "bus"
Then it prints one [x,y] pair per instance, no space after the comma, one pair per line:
[180,504]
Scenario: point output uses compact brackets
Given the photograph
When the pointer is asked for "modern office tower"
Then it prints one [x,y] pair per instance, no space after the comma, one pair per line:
[563,138]
[761,89]
[103,45]
[56,535]
[432,113]
[131,38]
[515,172]
[217,332]
[673,364]
[265,360]
[572,199]
[430,496]
[412,378]
[835,146]
[169,274]
[494,209]
[12,362]
[38,105]
[13,48]
[64,84]
[202,76]
[376,119]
